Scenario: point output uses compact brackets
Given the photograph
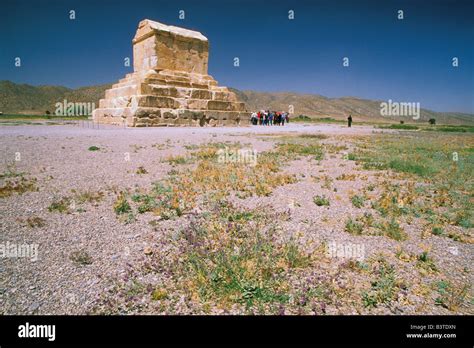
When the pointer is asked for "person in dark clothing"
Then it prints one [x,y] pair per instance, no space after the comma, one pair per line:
[349,121]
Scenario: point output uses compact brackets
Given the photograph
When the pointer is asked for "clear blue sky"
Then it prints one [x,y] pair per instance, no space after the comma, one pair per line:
[407,60]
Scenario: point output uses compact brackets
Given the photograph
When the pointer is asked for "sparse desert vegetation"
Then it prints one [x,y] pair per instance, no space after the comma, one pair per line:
[179,228]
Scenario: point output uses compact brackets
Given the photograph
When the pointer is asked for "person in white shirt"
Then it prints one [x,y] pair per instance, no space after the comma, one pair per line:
[254,118]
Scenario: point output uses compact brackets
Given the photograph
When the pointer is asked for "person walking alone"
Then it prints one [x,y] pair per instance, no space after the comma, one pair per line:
[349,121]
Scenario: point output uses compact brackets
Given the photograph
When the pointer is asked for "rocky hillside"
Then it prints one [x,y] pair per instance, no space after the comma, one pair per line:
[339,108]
[27,99]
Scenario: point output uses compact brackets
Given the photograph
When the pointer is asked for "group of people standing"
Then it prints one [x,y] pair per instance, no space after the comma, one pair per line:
[269,118]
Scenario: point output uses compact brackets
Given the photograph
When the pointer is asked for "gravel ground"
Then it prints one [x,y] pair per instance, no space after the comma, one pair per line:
[58,157]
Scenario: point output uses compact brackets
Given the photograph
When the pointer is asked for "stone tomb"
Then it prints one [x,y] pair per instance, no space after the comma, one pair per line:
[170,85]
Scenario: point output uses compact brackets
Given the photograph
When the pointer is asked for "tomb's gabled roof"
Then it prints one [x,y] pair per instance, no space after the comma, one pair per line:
[153,25]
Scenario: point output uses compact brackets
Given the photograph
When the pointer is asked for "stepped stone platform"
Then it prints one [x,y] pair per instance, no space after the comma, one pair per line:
[170,85]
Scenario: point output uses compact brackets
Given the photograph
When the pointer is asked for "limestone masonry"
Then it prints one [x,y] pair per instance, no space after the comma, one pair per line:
[170,85]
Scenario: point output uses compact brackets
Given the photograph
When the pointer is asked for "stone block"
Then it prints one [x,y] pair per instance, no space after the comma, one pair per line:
[170,85]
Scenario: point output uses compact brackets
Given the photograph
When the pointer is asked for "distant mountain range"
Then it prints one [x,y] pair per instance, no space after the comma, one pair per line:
[27,99]
[314,105]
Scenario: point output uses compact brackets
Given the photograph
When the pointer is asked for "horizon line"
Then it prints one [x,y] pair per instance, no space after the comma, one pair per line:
[257,91]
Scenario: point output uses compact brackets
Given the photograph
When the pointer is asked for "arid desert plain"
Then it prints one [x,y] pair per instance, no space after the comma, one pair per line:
[300,219]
